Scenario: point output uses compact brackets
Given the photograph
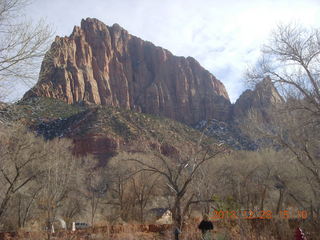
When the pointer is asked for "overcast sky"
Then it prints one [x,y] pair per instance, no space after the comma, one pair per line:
[225,36]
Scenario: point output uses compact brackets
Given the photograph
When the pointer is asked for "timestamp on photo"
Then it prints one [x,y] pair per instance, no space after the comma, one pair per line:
[258,214]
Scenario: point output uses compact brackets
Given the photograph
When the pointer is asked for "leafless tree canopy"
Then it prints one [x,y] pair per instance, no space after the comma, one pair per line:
[178,173]
[23,43]
[291,59]
[20,155]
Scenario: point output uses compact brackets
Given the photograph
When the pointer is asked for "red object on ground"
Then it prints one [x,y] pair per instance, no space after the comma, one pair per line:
[299,235]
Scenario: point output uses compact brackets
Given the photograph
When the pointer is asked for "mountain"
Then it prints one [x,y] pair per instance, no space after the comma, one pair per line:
[263,97]
[106,65]
[262,100]
[108,90]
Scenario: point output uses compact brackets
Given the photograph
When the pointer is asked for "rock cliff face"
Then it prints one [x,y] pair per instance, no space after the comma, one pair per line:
[106,65]
[262,101]
[264,96]
[2,105]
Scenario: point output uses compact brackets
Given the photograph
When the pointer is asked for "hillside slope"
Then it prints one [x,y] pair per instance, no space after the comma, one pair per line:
[102,130]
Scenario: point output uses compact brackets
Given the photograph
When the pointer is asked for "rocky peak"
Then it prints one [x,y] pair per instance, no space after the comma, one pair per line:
[106,65]
[266,92]
[3,105]
[261,99]
[264,96]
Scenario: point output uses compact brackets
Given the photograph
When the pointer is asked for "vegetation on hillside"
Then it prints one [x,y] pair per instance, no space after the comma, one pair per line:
[160,163]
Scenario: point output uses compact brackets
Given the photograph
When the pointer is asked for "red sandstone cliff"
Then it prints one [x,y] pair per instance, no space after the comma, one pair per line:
[106,65]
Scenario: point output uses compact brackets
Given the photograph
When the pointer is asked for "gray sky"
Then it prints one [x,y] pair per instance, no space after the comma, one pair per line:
[223,35]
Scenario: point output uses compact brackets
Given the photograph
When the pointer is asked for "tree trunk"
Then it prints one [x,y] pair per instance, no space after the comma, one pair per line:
[281,192]
[141,213]
[4,204]
[177,218]
[263,196]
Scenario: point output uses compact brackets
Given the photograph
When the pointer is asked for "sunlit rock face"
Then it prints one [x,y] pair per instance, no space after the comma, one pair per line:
[2,105]
[260,100]
[105,65]
[252,107]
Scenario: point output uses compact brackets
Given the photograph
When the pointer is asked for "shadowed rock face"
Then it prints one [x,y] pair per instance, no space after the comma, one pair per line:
[106,65]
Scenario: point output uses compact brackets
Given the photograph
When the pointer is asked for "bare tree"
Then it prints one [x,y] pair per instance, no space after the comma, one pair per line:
[144,185]
[73,207]
[26,204]
[96,187]
[129,191]
[58,179]
[177,172]
[121,194]
[292,131]
[291,61]
[22,43]
[20,154]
